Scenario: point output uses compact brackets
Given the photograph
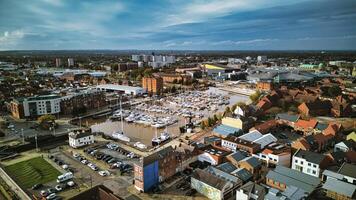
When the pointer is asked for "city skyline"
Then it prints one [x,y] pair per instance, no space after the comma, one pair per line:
[178,25]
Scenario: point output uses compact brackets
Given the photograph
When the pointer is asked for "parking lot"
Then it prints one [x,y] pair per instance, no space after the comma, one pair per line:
[99,165]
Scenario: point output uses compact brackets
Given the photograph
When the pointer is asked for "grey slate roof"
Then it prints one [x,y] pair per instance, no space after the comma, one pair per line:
[293,177]
[209,179]
[254,188]
[348,170]
[243,174]
[223,175]
[287,117]
[321,126]
[237,156]
[227,167]
[254,162]
[310,156]
[340,187]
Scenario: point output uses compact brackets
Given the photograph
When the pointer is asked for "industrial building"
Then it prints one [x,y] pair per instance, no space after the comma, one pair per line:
[121,89]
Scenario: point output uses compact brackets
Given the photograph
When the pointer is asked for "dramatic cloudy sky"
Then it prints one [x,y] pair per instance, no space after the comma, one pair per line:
[178,24]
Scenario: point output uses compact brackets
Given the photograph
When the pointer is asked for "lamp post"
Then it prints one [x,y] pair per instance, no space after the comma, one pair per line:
[36,142]
[23,136]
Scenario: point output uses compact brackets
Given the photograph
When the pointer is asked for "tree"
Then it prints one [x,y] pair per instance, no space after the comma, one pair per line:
[210,122]
[173,89]
[139,77]
[227,111]
[46,118]
[202,125]
[241,104]
[255,97]
[233,107]
[334,91]
[215,119]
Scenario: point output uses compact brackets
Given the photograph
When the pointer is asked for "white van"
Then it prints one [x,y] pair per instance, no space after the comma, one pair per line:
[64,177]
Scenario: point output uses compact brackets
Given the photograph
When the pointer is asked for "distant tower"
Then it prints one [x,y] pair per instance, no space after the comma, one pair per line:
[58,62]
[70,62]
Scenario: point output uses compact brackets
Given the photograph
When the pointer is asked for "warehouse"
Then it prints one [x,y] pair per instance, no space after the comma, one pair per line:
[121,88]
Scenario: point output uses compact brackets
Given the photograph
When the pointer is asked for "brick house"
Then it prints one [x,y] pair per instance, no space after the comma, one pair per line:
[305,126]
[315,108]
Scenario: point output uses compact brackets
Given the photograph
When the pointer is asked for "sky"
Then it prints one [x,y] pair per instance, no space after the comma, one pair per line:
[178,24]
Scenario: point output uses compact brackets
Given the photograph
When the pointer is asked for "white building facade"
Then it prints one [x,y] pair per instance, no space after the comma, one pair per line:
[79,139]
[41,105]
[302,165]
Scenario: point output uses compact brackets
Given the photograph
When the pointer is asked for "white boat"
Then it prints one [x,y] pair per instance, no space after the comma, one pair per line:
[140,145]
[120,134]
[156,141]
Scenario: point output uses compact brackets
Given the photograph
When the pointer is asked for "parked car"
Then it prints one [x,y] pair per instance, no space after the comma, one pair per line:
[58,188]
[104,173]
[51,190]
[99,156]
[107,158]
[76,155]
[131,155]
[71,183]
[37,186]
[51,196]
[112,160]
[85,162]
[44,193]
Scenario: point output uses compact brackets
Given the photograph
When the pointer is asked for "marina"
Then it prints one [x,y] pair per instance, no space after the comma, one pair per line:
[148,120]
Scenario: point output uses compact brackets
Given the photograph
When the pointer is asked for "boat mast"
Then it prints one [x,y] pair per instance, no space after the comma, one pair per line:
[122,122]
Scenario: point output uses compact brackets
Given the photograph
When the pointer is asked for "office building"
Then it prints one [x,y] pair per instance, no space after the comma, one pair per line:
[153,85]
[58,62]
[70,62]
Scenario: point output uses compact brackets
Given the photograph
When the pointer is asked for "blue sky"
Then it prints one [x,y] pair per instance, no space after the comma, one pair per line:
[178,24]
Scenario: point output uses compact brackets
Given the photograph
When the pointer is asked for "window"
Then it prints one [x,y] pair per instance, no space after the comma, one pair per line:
[308,170]
[296,161]
[314,172]
[309,164]
[314,166]
[301,162]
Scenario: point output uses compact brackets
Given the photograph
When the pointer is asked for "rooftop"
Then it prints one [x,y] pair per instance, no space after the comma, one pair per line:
[310,156]
[348,170]
[340,187]
[287,117]
[226,130]
[294,178]
[210,179]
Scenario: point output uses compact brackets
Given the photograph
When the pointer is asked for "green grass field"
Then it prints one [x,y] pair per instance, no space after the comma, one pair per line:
[30,172]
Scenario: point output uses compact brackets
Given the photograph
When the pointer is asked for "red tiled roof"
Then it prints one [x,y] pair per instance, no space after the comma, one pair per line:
[266,126]
[332,129]
[305,124]
[267,151]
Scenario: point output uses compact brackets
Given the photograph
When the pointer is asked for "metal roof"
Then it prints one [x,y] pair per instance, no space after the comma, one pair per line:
[340,187]
[237,156]
[293,177]
[227,167]
[251,136]
[225,130]
[288,117]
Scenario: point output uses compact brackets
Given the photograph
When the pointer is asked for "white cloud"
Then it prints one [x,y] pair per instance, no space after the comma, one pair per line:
[11,37]
[202,10]
[254,41]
